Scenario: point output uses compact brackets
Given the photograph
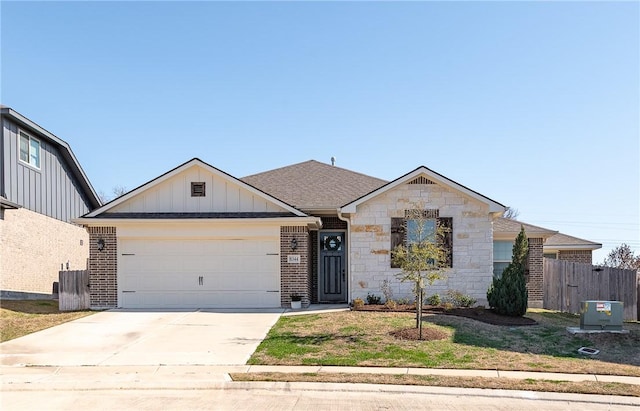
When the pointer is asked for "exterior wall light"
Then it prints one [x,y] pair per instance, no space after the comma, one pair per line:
[293,244]
[101,244]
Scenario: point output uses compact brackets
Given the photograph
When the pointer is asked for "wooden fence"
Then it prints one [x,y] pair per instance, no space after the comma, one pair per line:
[566,284]
[73,293]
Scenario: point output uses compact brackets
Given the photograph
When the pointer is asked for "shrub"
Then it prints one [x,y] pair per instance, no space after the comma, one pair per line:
[358,303]
[434,300]
[508,294]
[390,304]
[373,299]
[386,290]
[458,299]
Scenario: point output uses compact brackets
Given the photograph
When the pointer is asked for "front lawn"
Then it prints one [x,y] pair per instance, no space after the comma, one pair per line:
[356,338]
[22,317]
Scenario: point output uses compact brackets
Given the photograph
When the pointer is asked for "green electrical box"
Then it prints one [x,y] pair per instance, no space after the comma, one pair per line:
[601,315]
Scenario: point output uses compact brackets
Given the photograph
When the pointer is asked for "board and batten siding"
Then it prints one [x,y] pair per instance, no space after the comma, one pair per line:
[51,190]
[174,195]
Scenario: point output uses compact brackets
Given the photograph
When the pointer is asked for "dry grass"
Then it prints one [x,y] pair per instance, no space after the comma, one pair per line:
[585,387]
[363,339]
[22,317]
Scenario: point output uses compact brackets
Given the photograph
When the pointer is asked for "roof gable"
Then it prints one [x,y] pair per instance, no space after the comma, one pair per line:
[312,185]
[423,175]
[171,193]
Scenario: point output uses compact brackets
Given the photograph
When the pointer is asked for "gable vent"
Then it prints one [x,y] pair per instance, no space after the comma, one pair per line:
[421,180]
[198,189]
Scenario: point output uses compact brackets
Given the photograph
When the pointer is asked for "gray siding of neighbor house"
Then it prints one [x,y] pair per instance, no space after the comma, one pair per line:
[53,190]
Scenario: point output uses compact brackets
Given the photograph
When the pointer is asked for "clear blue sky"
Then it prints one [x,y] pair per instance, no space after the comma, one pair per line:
[533,104]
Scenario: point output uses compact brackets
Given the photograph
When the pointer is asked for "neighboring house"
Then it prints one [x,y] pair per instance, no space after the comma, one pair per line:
[543,243]
[42,188]
[199,237]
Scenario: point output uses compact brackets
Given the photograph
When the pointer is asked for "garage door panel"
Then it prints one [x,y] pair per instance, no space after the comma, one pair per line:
[199,273]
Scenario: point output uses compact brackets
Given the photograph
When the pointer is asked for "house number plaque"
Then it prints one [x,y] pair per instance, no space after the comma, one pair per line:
[293,259]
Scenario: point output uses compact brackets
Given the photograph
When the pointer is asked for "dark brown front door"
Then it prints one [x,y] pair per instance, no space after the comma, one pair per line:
[332,281]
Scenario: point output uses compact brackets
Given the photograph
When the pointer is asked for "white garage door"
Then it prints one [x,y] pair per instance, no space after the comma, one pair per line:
[196,273]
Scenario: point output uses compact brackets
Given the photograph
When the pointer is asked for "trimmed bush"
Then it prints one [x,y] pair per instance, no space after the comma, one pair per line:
[508,294]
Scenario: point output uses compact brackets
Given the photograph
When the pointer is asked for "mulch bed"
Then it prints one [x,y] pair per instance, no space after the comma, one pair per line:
[428,334]
[482,314]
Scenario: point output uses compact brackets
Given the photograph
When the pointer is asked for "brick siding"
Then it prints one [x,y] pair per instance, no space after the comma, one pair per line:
[103,268]
[295,278]
[535,275]
[333,223]
[576,256]
[34,248]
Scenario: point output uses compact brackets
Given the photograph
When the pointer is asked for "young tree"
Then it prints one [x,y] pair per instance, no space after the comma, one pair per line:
[423,258]
[622,257]
[508,294]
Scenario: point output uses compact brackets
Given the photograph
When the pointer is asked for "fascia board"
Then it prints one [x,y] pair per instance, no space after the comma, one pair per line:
[66,151]
[288,221]
[181,168]
[494,207]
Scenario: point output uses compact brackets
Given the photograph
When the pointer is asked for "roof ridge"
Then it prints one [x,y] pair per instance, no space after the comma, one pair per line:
[312,161]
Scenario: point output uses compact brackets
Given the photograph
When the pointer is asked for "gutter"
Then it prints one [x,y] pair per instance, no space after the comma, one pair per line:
[312,222]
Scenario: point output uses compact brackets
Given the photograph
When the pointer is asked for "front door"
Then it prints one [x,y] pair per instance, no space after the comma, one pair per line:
[332,281]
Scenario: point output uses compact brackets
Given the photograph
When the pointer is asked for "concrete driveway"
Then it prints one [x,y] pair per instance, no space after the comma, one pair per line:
[126,337]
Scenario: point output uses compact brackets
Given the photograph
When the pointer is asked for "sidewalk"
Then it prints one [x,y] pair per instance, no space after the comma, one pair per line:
[206,376]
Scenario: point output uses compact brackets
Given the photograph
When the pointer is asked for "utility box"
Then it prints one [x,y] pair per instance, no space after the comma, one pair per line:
[601,315]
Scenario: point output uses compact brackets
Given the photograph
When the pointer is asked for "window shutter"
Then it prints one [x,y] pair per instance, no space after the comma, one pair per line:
[447,237]
[397,236]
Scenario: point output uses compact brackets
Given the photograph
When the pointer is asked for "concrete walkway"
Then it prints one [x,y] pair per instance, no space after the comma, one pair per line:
[206,376]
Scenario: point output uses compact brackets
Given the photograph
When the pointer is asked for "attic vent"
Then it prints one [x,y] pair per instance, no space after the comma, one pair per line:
[421,180]
[197,189]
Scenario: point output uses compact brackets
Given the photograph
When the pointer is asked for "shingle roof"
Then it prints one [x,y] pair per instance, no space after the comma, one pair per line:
[510,226]
[555,240]
[165,216]
[564,240]
[312,185]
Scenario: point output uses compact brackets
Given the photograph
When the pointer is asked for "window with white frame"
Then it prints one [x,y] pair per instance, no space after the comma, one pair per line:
[29,150]
[502,255]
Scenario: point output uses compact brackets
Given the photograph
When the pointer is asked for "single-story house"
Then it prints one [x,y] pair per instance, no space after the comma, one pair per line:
[543,243]
[42,188]
[199,237]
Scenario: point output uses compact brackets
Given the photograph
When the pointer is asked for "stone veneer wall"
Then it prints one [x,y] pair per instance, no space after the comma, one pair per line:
[103,268]
[576,256]
[472,270]
[34,248]
[535,274]
[294,278]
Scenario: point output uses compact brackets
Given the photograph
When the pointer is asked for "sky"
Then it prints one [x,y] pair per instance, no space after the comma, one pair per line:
[535,105]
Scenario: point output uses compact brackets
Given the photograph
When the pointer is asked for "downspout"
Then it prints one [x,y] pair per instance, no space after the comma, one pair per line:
[348,221]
